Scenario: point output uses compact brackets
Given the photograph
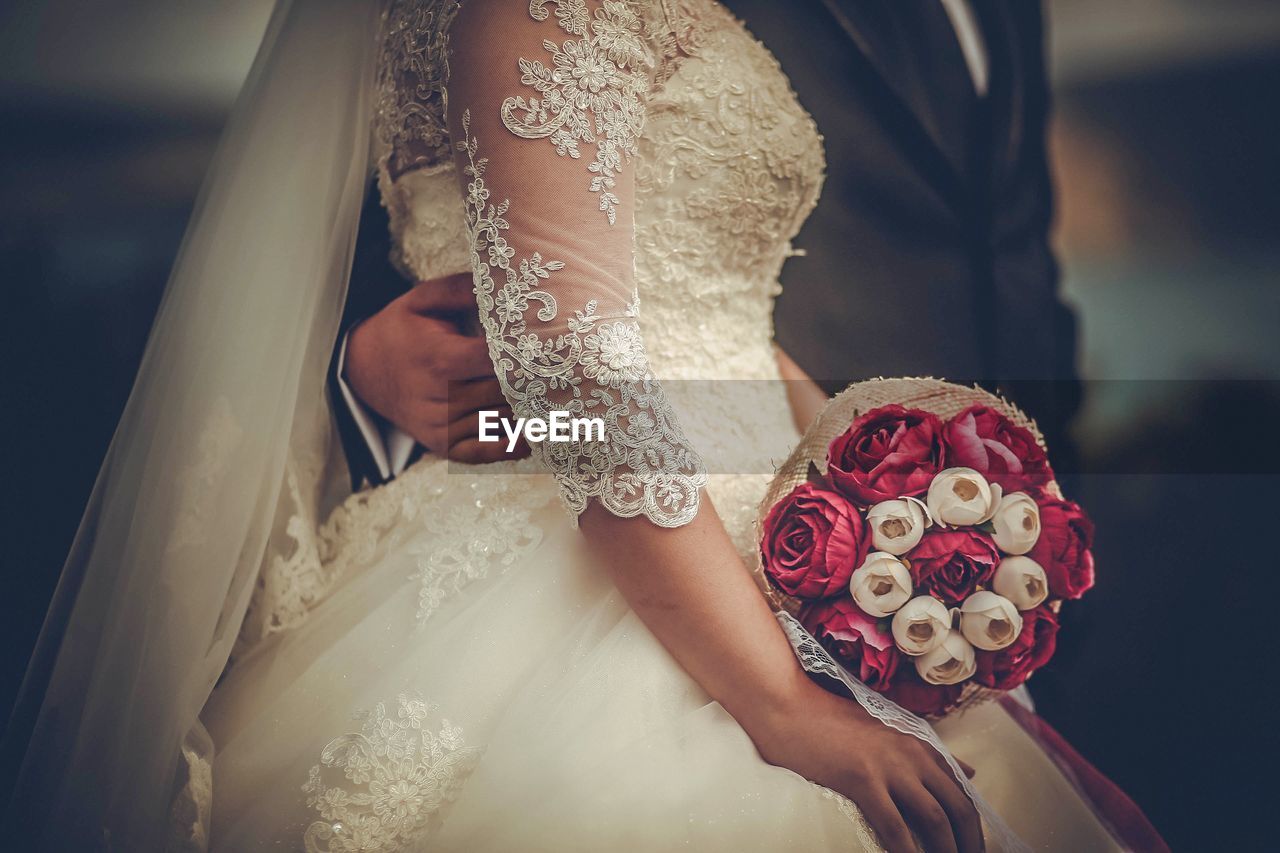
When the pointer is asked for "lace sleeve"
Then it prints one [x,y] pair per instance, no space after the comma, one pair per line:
[544,106]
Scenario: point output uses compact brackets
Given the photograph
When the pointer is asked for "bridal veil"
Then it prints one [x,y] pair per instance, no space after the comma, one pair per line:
[223,434]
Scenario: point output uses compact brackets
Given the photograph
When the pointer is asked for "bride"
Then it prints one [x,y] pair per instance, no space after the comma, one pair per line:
[563,652]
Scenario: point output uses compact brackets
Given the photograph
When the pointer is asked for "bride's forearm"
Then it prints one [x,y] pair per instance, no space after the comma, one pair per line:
[691,589]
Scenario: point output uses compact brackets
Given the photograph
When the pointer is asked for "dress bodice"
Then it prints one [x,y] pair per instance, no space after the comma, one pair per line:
[727,167]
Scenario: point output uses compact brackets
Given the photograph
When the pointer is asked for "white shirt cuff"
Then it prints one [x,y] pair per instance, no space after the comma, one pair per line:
[390,448]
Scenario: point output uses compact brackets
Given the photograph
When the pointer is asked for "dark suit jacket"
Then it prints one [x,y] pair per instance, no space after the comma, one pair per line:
[921,260]
[928,253]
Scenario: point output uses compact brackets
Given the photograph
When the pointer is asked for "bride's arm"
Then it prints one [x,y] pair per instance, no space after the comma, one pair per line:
[690,588]
[545,101]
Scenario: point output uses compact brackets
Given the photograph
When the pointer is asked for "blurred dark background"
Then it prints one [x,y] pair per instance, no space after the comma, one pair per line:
[1165,147]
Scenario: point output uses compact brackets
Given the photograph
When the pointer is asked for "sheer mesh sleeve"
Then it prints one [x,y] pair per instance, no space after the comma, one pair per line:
[545,100]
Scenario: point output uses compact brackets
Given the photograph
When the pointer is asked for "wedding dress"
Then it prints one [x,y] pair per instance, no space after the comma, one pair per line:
[443,667]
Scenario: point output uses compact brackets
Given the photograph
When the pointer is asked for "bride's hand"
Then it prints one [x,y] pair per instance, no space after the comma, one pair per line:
[897,780]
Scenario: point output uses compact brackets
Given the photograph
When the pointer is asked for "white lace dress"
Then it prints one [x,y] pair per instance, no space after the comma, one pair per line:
[451,671]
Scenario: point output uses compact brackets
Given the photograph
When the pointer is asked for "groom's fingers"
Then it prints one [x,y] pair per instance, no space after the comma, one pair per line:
[451,358]
[465,445]
[444,350]
[451,293]
[474,395]
[465,425]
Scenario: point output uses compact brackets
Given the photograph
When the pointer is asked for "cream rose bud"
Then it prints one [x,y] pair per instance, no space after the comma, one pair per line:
[881,584]
[989,621]
[1016,523]
[950,663]
[1021,580]
[920,625]
[896,526]
[962,497]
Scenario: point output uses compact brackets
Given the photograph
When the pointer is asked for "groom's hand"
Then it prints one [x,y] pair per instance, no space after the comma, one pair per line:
[413,364]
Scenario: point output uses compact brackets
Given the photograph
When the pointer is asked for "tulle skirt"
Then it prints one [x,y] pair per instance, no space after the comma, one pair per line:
[476,683]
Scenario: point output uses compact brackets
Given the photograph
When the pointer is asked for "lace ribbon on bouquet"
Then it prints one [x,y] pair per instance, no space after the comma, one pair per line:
[814,658]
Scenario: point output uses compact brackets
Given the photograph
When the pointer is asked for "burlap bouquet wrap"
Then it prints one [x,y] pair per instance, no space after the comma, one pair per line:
[944,399]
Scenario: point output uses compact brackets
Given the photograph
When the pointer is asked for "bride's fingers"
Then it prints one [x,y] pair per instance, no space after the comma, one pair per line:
[946,768]
[888,823]
[965,822]
[927,817]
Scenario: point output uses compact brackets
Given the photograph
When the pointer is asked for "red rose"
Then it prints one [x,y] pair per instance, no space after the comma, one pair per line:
[988,442]
[1012,665]
[813,540]
[919,697]
[887,453]
[949,564]
[1066,535]
[855,640]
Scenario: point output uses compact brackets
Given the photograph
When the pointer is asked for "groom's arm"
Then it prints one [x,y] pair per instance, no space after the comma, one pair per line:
[404,372]
[414,365]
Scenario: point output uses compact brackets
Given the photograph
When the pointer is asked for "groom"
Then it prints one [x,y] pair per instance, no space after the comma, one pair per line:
[928,253]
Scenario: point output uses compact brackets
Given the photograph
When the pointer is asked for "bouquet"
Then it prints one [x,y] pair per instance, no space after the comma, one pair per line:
[918,534]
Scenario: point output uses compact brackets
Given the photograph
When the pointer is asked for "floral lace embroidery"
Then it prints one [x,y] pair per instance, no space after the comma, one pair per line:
[472,525]
[409,116]
[591,93]
[473,535]
[293,575]
[401,774]
[622,42]
[476,524]
[674,33]
[644,465]
[728,168]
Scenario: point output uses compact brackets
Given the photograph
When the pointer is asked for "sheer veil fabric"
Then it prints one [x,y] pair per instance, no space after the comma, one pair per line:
[225,426]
